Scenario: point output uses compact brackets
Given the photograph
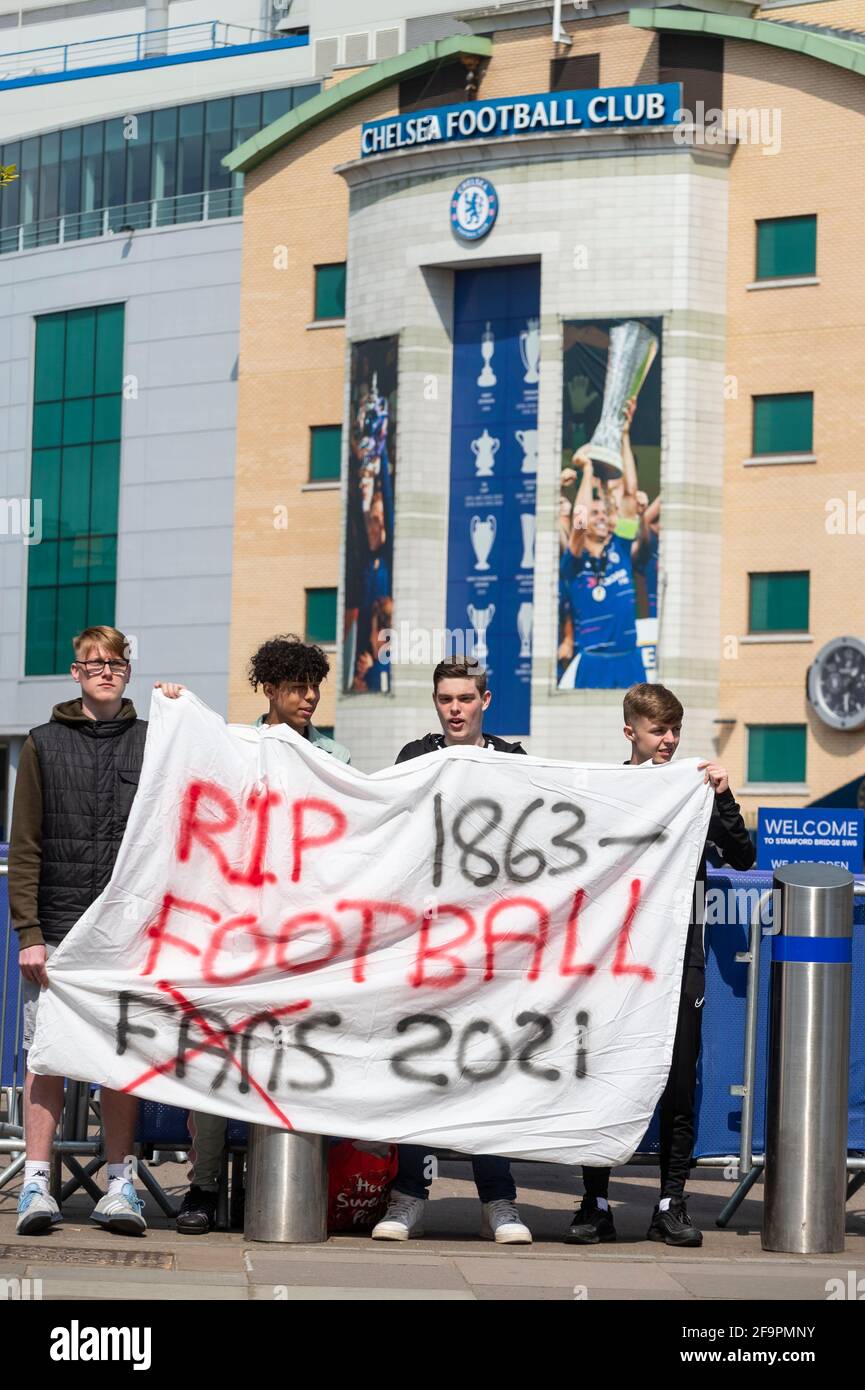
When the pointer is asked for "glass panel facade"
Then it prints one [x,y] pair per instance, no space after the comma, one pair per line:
[75,470]
[217,143]
[70,171]
[779,602]
[783,424]
[776,752]
[132,160]
[138,158]
[786,246]
[12,192]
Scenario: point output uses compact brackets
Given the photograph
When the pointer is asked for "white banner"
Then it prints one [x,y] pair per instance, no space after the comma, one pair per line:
[475,950]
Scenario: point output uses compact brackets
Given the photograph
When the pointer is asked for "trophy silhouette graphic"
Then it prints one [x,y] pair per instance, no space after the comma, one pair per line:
[630,355]
[482,533]
[527,522]
[528,442]
[480,619]
[485,449]
[525,617]
[488,347]
[530,350]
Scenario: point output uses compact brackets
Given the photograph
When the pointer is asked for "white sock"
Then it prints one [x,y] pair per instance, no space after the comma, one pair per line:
[117,1176]
[37,1170]
[664,1204]
[602,1203]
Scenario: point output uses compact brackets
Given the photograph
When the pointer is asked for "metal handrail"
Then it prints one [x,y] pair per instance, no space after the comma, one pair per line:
[118,48]
[154,213]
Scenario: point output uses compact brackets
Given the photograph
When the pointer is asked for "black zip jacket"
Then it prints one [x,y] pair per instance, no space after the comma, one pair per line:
[431,742]
[728,845]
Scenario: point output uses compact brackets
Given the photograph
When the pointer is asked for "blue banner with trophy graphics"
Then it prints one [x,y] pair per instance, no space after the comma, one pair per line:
[494,464]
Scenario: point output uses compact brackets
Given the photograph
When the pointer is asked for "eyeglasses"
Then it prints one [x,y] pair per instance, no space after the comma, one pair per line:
[95,668]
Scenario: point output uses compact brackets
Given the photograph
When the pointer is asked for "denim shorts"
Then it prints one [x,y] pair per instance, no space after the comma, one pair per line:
[30,1001]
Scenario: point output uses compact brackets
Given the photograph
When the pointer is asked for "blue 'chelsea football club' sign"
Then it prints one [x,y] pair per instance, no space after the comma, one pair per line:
[600,109]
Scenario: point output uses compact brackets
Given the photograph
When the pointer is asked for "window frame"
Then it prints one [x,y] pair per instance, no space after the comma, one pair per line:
[769,575]
[309,636]
[761,222]
[766,777]
[779,396]
[328,318]
[318,431]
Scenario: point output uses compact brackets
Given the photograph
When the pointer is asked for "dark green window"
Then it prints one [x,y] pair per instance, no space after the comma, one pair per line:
[321,615]
[77,393]
[779,602]
[786,246]
[784,424]
[776,753]
[330,291]
[324,453]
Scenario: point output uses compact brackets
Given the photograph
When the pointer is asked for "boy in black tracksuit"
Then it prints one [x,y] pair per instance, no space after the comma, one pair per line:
[460,697]
[653,721]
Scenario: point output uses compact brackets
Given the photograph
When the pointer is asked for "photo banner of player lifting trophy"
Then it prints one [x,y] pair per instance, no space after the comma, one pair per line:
[610,503]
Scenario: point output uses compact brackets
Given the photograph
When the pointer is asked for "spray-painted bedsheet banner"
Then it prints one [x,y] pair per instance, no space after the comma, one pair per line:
[472,950]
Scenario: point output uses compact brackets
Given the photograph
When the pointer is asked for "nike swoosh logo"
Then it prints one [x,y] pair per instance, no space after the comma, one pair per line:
[698,1002]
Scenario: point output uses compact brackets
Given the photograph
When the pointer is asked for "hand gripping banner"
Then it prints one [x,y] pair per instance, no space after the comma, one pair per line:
[473,950]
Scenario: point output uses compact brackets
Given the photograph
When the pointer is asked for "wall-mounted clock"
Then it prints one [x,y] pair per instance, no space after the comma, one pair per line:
[836,683]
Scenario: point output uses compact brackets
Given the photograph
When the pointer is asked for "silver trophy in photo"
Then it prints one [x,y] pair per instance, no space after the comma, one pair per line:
[480,619]
[631,353]
[525,622]
[482,534]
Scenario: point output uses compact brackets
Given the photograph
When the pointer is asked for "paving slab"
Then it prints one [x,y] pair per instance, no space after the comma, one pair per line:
[441,1275]
[330,1292]
[144,1279]
[567,1274]
[72,1284]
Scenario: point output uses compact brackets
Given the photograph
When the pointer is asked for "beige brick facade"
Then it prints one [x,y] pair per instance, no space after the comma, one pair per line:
[290,378]
[843,14]
[807,338]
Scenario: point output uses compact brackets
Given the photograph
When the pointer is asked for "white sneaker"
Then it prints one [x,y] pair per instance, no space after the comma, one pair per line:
[37,1210]
[500,1221]
[120,1212]
[402,1220]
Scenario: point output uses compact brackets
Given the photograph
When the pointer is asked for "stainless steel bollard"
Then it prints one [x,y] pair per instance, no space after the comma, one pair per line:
[286,1186]
[809,1059]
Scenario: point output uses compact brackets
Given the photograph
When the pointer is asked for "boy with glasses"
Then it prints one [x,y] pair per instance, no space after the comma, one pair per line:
[77,777]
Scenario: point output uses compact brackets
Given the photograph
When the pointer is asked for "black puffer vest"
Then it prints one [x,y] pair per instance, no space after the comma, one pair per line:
[90,770]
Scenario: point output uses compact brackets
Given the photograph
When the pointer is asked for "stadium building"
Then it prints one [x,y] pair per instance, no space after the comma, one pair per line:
[548,235]
[120,258]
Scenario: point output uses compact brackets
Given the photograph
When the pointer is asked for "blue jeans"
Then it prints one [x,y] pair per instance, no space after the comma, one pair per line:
[492,1175]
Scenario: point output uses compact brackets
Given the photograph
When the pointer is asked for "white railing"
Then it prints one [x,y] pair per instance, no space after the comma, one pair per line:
[129,217]
[132,48]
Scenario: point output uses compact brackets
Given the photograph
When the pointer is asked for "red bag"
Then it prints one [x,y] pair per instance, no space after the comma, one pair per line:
[358,1185]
